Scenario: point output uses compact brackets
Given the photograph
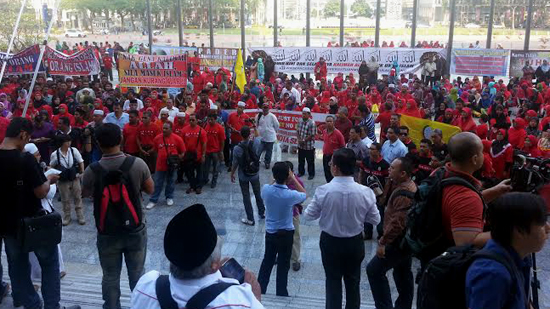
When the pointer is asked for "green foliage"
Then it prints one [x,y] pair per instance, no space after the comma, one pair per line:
[361,8]
[29,32]
[332,8]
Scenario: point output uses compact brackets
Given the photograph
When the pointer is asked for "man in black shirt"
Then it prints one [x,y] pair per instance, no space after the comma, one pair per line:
[422,161]
[373,174]
[22,185]
[438,147]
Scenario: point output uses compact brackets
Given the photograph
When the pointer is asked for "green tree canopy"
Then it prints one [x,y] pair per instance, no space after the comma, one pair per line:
[361,8]
[332,8]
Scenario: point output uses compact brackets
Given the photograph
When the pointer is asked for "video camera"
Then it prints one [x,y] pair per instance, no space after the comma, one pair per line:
[529,174]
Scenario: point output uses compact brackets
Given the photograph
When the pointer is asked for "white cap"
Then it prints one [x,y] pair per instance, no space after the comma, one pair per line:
[214,107]
[241,104]
[31,148]
[98,112]
[391,86]
[209,84]
[404,86]
[180,114]
[306,110]
[164,111]
[49,79]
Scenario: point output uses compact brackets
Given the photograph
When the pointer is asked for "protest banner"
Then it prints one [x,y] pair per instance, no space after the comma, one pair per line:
[346,60]
[215,58]
[82,63]
[152,71]
[482,62]
[422,128]
[24,62]
[173,50]
[518,58]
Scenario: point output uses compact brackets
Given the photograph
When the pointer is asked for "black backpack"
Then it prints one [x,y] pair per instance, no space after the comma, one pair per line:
[251,162]
[443,282]
[424,233]
[117,207]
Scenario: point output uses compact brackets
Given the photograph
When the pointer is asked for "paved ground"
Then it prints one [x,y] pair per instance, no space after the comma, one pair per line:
[244,243]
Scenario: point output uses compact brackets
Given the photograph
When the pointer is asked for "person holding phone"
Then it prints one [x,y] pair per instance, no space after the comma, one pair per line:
[279,229]
[199,277]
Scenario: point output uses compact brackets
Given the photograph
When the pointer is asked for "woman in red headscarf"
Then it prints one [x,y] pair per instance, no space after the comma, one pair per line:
[20,106]
[465,122]
[502,154]
[517,133]
[412,109]
[448,117]
[63,112]
[487,170]
[530,146]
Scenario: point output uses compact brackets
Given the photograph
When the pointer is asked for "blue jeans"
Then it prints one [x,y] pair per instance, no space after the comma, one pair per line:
[20,275]
[160,178]
[268,148]
[112,248]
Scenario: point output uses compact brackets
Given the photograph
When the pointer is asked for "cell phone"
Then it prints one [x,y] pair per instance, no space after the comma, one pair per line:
[232,269]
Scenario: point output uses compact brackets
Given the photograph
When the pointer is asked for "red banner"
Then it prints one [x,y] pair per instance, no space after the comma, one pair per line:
[82,63]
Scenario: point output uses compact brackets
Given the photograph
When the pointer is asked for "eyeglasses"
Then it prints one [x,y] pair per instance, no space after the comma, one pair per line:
[403,134]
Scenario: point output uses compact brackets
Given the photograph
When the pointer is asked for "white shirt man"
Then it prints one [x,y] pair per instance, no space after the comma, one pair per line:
[172,112]
[126,106]
[268,125]
[293,92]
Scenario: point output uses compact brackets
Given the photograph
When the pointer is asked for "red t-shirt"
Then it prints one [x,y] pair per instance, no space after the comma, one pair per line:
[191,139]
[332,141]
[172,145]
[147,133]
[129,132]
[215,137]
[178,128]
[3,127]
[237,121]
[462,208]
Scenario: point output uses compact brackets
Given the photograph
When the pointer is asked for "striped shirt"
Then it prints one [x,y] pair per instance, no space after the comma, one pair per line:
[369,123]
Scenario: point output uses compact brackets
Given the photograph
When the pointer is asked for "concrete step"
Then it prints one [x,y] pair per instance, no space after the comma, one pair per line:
[85,290]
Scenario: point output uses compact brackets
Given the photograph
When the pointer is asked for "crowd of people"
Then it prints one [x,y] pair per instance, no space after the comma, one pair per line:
[103,138]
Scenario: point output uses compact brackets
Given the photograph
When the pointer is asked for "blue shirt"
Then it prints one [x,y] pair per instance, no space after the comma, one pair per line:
[391,151]
[489,284]
[279,202]
[123,120]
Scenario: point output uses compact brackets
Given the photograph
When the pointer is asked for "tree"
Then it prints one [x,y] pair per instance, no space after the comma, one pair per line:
[29,32]
[332,8]
[361,8]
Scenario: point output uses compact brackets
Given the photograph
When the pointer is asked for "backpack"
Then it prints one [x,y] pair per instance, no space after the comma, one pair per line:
[251,161]
[117,207]
[443,282]
[424,232]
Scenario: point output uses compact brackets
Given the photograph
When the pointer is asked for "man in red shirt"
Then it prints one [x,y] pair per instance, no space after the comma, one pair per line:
[342,123]
[146,133]
[194,138]
[332,141]
[165,144]
[235,122]
[108,65]
[384,120]
[129,134]
[462,208]
[179,123]
[215,142]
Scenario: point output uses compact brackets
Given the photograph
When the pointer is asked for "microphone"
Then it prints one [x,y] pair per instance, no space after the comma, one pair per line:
[43,165]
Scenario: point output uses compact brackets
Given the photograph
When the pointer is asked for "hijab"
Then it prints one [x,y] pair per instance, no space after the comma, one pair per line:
[499,146]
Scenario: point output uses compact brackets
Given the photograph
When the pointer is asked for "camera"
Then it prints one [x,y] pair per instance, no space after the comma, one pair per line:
[529,174]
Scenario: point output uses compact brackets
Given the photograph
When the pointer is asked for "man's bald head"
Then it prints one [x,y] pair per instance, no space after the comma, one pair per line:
[463,146]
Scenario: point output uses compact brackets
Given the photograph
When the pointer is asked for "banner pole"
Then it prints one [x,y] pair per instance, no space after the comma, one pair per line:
[42,50]
[12,38]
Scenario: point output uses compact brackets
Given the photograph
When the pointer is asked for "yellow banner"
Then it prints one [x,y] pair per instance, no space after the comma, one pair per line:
[423,128]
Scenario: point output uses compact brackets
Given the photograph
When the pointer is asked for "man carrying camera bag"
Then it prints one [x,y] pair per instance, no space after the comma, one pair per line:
[22,185]
[69,161]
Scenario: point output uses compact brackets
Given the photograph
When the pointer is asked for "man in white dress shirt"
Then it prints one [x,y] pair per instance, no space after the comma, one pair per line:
[268,125]
[193,248]
[341,215]
[172,111]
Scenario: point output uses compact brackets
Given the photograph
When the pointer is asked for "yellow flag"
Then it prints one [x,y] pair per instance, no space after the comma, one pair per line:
[240,77]
[423,128]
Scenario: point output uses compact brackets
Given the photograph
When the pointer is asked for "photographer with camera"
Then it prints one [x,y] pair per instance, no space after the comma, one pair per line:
[69,161]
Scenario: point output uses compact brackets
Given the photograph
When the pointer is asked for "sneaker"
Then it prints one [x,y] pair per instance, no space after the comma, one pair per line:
[66,221]
[296,266]
[62,274]
[247,222]
[169,202]
[151,205]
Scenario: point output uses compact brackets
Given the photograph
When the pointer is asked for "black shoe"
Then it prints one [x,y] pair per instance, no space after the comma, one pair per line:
[300,175]
[310,177]
[71,307]
[267,166]
[5,290]
[296,266]
[179,180]
[213,184]
[262,216]
[367,236]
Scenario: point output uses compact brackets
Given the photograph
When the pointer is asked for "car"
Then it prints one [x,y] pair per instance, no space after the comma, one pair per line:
[472,26]
[74,33]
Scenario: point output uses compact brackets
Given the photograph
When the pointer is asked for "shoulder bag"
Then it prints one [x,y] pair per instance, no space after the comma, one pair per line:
[172,161]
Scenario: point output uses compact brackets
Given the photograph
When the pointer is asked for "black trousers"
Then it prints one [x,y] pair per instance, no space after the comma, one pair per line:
[193,172]
[400,261]
[379,227]
[342,258]
[326,167]
[308,155]
[277,245]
